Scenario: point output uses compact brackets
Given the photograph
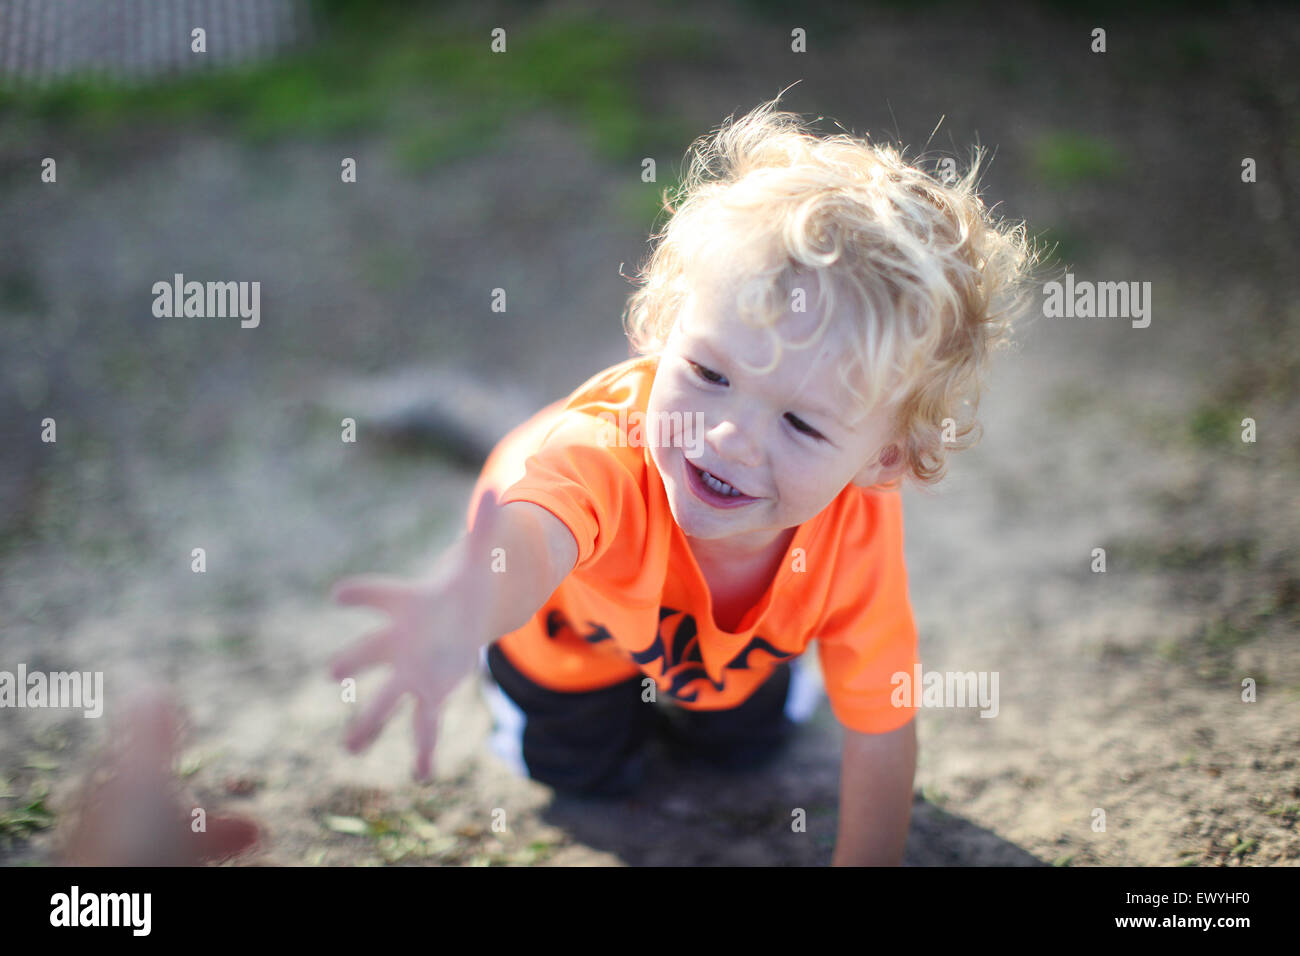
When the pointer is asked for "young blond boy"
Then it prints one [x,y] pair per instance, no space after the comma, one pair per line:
[812,325]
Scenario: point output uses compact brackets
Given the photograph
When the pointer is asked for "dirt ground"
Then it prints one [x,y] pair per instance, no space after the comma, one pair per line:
[1119,691]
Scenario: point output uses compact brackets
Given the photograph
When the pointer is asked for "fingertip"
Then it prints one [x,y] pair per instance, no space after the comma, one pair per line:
[487,507]
[339,665]
[358,588]
[228,836]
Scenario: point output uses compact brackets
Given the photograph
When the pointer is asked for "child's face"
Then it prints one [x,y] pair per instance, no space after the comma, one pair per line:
[757,427]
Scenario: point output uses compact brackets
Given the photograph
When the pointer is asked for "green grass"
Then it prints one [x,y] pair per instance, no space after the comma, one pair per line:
[1069,158]
[21,822]
[936,798]
[1062,248]
[1245,846]
[426,147]
[1184,554]
[1216,425]
[1072,399]
[438,90]
[387,266]
[396,834]
[1223,635]
[1211,652]
[1172,651]
[642,203]
[233,645]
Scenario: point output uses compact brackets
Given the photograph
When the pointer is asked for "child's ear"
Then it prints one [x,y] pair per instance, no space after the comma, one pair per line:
[888,466]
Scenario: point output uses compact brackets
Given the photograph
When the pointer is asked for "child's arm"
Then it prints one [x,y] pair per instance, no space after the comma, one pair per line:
[474,594]
[876,775]
[537,550]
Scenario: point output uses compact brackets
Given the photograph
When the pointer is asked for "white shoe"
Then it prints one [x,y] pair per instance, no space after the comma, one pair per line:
[506,739]
[806,691]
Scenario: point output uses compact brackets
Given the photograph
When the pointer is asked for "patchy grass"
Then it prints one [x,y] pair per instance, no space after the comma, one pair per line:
[1062,247]
[936,798]
[437,88]
[1244,847]
[426,147]
[1216,425]
[1212,651]
[1070,158]
[19,823]
[1222,634]
[1072,400]
[1184,554]
[374,827]
[642,203]
[1208,572]
[1289,810]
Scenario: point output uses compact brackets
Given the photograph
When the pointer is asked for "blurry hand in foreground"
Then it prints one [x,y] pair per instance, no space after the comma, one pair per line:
[130,810]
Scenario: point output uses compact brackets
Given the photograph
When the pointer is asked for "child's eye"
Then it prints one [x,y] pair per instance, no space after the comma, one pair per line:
[804,427]
[705,373]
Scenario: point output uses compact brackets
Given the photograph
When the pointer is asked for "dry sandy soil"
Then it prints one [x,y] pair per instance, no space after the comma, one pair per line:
[1119,691]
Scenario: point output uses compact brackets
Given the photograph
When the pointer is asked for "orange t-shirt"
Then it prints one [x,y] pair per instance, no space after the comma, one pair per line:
[636,603]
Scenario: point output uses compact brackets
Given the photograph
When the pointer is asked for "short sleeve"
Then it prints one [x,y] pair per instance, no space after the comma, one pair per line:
[587,479]
[870,635]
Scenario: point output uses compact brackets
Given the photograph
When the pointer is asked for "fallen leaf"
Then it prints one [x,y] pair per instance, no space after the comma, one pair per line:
[353,825]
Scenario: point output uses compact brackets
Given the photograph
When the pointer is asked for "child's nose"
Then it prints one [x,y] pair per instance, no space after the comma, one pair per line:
[732,442]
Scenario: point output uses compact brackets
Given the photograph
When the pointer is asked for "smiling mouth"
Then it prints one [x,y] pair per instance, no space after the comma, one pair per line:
[714,490]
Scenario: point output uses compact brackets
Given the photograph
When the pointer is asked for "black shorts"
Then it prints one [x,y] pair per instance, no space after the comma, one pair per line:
[593,743]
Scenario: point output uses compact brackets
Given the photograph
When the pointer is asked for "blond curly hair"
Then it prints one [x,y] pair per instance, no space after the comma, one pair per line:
[929,280]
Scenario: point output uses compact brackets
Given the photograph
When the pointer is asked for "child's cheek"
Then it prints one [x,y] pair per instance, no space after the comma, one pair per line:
[678,399]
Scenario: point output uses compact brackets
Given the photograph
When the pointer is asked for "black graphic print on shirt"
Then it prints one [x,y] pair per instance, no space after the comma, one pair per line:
[680,657]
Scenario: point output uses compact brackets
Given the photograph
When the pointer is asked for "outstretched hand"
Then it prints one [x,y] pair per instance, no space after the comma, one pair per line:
[436,627]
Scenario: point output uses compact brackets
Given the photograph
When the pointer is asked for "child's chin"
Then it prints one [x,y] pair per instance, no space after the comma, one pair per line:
[681,512]
[691,523]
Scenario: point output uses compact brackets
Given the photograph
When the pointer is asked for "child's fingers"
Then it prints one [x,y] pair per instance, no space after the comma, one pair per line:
[426,735]
[369,651]
[148,735]
[364,731]
[485,514]
[388,594]
[224,837]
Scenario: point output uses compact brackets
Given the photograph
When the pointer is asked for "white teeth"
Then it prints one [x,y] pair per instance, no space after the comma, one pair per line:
[721,487]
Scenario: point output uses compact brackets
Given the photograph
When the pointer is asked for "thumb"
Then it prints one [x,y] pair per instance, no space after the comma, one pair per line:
[487,520]
[485,515]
